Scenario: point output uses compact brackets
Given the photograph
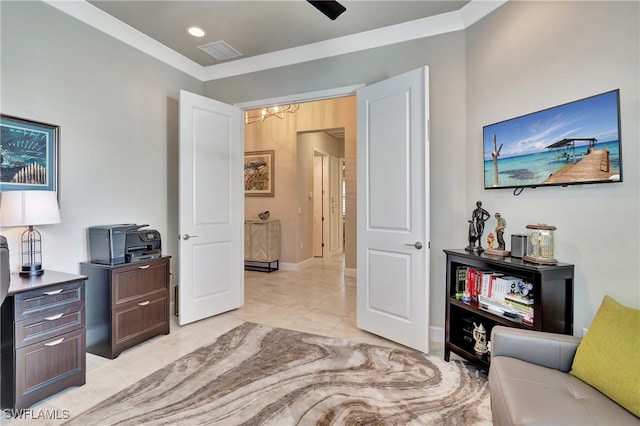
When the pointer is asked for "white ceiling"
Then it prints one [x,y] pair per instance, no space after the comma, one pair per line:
[268,33]
[259,27]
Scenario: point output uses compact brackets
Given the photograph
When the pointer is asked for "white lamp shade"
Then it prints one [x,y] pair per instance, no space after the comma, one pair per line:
[25,208]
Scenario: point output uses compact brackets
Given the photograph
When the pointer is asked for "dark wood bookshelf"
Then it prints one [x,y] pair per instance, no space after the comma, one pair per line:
[552,295]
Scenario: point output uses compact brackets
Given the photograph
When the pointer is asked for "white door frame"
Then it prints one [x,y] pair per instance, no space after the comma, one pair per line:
[319,95]
[318,204]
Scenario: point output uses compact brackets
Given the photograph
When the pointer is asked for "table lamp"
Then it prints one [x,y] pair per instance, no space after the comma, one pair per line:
[29,208]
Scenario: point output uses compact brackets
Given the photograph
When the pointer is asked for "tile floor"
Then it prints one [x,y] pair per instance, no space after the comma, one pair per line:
[317,299]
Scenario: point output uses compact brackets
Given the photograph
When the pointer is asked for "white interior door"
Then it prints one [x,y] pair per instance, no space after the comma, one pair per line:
[211,260]
[393,209]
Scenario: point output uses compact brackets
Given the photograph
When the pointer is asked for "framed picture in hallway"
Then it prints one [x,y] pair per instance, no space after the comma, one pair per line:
[259,173]
[28,155]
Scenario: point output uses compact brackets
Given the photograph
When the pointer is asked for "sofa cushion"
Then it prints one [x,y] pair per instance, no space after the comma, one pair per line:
[608,357]
[523,394]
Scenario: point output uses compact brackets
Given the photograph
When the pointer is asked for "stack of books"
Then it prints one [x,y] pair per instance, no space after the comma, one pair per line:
[504,295]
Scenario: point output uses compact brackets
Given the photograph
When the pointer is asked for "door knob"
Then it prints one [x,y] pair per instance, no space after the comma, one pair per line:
[417,245]
[187,236]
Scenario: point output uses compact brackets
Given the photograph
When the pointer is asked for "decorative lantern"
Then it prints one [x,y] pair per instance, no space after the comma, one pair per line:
[540,244]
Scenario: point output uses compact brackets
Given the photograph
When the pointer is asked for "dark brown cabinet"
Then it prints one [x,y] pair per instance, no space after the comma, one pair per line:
[552,294]
[43,337]
[126,304]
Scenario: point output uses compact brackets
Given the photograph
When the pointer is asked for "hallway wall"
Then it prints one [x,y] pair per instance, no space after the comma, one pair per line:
[291,204]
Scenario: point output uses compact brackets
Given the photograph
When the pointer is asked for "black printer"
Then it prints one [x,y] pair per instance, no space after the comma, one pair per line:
[123,243]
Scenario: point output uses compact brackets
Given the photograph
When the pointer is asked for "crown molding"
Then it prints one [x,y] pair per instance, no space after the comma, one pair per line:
[471,13]
[102,21]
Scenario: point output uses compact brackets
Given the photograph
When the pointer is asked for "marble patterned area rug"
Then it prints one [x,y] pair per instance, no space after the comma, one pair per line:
[261,375]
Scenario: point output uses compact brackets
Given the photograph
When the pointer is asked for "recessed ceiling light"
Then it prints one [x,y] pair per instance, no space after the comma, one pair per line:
[196,31]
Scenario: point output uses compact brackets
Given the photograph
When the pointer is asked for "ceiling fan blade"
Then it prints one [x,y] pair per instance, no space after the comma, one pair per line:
[331,8]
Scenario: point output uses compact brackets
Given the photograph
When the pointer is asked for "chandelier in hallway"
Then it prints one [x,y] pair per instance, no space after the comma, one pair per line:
[278,111]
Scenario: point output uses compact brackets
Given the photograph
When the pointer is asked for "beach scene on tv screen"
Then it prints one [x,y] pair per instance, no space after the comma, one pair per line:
[567,144]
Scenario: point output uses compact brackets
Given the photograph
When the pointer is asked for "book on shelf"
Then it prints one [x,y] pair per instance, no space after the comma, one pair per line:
[518,313]
[477,282]
[519,299]
[497,307]
[460,281]
[493,290]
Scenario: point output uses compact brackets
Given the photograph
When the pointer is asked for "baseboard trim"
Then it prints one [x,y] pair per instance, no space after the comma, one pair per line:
[436,334]
[296,266]
[349,272]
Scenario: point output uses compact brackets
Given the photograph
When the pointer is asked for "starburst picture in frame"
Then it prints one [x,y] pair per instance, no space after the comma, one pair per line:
[259,173]
[28,155]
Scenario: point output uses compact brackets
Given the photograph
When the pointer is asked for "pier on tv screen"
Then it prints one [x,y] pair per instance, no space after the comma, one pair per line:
[574,143]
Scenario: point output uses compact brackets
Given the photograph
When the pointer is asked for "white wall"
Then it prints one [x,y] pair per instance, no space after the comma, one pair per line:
[117,112]
[529,56]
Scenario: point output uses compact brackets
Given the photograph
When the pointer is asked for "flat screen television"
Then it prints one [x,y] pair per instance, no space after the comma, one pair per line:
[570,144]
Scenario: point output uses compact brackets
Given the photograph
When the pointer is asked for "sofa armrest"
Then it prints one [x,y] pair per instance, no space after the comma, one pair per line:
[549,350]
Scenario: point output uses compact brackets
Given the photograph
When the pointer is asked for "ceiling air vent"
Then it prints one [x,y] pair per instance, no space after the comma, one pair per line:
[220,50]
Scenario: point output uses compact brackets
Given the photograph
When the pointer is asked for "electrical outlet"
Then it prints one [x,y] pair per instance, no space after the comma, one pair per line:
[301,245]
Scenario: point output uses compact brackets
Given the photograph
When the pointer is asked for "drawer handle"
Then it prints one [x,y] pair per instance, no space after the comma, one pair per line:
[55,342]
[143,267]
[54,317]
[144,303]
[52,292]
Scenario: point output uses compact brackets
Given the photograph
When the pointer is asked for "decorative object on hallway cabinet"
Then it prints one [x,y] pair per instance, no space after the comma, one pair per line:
[259,173]
[261,245]
[503,291]
[126,304]
[29,152]
[264,215]
[42,337]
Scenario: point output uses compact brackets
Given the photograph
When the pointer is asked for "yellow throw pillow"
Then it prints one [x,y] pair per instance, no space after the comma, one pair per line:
[608,358]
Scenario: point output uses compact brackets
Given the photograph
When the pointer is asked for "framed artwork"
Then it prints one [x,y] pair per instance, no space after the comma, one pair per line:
[28,155]
[259,174]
